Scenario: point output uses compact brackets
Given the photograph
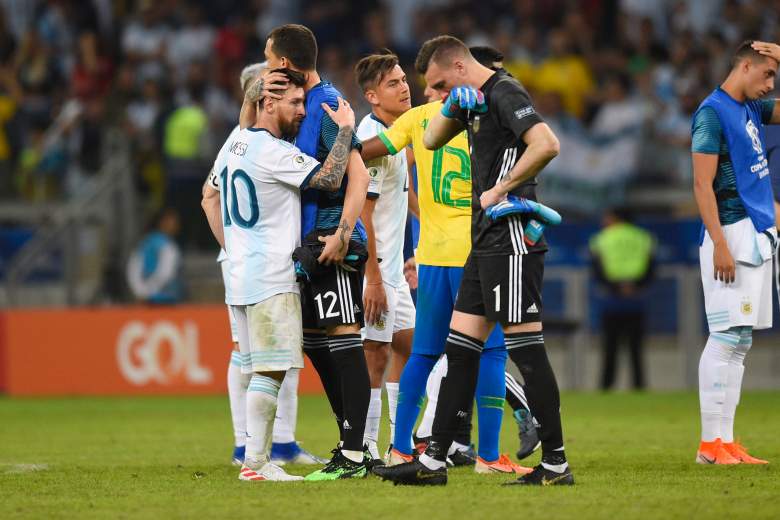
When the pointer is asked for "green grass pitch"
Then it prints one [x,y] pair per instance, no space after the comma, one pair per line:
[632,456]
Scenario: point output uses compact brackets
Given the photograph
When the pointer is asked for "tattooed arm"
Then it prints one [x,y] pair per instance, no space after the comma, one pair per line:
[267,85]
[330,175]
[336,245]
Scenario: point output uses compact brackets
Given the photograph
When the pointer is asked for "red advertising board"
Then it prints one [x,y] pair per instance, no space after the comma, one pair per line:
[119,351]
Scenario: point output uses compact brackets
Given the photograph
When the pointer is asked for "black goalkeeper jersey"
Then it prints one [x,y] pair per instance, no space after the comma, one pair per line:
[495,145]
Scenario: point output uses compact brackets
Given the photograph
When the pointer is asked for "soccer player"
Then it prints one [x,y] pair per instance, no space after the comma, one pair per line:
[445,211]
[734,196]
[332,302]
[387,297]
[284,449]
[502,277]
[260,214]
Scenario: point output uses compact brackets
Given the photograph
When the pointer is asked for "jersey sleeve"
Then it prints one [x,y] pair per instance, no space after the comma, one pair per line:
[706,133]
[293,167]
[376,177]
[399,135]
[767,107]
[220,163]
[514,108]
[329,130]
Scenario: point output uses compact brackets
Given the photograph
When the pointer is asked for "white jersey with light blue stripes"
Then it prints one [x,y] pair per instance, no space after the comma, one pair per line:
[389,184]
[260,185]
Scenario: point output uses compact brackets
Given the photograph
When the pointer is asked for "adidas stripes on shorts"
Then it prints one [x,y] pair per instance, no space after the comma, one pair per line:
[505,288]
[335,298]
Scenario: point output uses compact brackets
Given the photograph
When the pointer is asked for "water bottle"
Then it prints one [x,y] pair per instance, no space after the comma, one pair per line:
[533,231]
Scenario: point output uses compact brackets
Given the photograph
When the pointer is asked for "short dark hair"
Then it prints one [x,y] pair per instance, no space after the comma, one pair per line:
[296,43]
[295,78]
[438,49]
[745,51]
[371,70]
[486,55]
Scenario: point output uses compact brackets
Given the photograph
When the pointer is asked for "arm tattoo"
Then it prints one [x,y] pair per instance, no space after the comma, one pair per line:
[255,91]
[330,175]
[343,231]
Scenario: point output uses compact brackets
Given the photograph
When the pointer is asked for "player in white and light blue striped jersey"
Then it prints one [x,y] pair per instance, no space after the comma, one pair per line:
[259,215]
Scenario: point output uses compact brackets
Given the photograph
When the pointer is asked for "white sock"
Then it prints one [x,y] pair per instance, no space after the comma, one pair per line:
[735,371]
[456,446]
[713,376]
[373,417]
[237,384]
[431,463]
[287,408]
[261,400]
[392,405]
[353,455]
[432,390]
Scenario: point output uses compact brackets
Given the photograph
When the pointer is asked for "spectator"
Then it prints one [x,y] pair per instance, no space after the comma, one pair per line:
[154,269]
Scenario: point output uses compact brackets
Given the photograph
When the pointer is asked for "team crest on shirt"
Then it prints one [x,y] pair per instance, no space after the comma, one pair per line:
[373,172]
[746,307]
[752,131]
[299,160]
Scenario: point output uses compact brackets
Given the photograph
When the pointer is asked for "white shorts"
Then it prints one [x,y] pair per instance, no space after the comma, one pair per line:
[232,319]
[748,300]
[270,334]
[399,316]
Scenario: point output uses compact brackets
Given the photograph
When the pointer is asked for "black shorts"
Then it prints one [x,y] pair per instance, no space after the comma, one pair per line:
[334,298]
[506,289]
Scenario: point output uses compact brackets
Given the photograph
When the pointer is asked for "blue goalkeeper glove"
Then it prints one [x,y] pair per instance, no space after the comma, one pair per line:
[515,205]
[464,98]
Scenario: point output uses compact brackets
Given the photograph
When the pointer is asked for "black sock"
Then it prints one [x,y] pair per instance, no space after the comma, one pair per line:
[463,435]
[346,351]
[526,350]
[456,396]
[315,345]
[515,394]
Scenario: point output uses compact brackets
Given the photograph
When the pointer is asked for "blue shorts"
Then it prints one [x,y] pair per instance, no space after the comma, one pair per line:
[437,289]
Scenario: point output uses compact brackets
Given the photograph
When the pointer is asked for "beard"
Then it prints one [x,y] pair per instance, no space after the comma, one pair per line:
[289,128]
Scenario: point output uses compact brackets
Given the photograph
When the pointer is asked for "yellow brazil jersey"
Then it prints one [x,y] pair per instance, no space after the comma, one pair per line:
[443,188]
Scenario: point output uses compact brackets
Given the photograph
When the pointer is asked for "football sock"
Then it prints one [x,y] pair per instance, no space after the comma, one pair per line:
[237,384]
[353,455]
[491,389]
[515,395]
[431,463]
[457,389]
[432,387]
[713,377]
[457,446]
[373,417]
[735,371]
[463,434]
[392,405]
[315,345]
[346,350]
[410,393]
[555,460]
[526,349]
[287,408]
[260,412]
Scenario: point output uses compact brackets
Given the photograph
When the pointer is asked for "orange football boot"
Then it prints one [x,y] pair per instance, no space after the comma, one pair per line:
[740,453]
[714,453]
[502,465]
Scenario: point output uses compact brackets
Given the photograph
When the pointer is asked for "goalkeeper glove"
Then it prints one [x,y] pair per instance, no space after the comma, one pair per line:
[464,98]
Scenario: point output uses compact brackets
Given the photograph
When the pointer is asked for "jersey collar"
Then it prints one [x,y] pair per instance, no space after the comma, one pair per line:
[378,120]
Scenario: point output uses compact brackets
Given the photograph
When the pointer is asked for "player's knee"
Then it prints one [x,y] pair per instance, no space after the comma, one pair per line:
[535,326]
[340,330]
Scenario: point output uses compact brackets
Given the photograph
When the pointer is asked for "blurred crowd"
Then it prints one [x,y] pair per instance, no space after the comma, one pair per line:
[617,79]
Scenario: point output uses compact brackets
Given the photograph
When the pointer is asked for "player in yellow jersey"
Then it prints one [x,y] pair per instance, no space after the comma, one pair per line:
[444,195]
